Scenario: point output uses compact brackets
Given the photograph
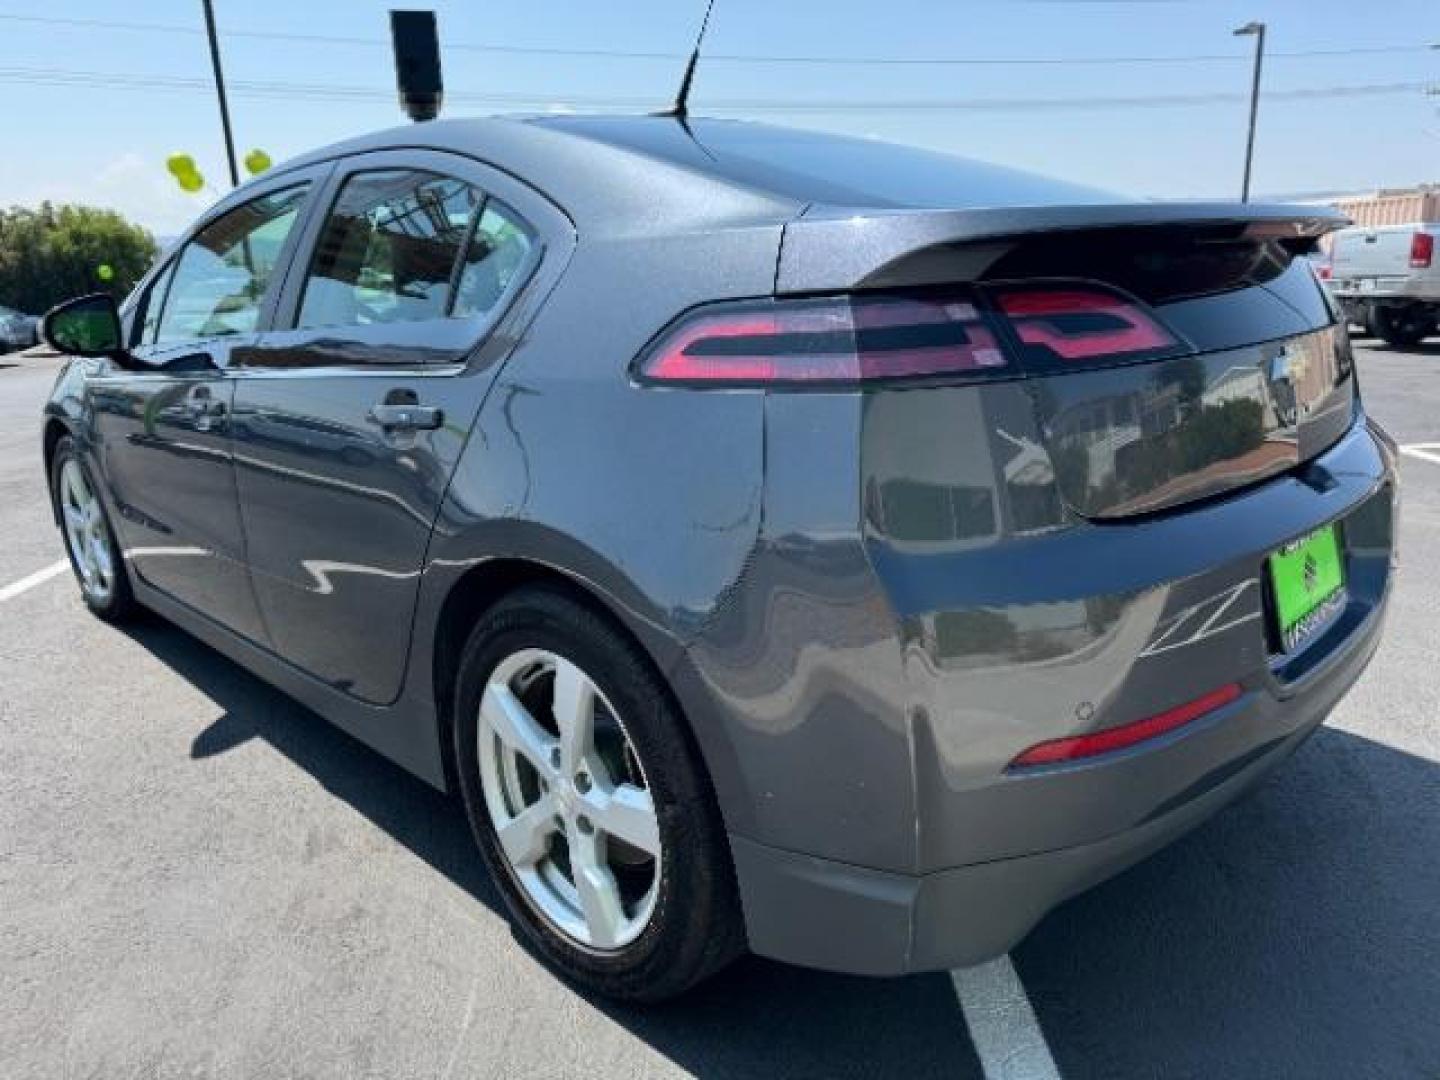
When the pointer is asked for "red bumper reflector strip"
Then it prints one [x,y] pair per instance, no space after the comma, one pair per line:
[1118,738]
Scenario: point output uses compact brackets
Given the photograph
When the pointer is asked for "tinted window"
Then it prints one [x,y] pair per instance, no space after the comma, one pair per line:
[389,250]
[498,251]
[222,275]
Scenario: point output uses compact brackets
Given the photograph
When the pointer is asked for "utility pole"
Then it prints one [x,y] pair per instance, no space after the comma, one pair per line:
[220,92]
[1257,31]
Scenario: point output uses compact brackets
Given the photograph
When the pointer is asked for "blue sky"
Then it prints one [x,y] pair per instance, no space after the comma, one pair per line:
[91,112]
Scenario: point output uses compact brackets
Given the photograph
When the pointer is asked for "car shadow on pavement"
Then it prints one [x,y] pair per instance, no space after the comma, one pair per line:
[756,1018]
[1296,934]
[426,821]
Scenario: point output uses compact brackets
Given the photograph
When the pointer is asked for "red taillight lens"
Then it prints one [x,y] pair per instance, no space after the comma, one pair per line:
[1069,324]
[1324,271]
[833,340]
[1422,249]
[1059,751]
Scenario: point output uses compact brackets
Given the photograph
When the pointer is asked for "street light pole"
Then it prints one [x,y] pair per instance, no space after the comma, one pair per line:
[1257,31]
[220,92]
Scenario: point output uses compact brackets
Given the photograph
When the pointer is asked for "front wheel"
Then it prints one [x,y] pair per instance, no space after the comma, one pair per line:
[589,803]
[89,540]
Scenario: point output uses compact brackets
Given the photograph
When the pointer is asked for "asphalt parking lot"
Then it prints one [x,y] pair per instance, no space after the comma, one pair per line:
[199,877]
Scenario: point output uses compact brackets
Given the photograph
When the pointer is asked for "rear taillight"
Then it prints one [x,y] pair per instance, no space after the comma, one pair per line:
[1066,324]
[820,341]
[1079,747]
[1422,250]
[1324,271]
[842,340]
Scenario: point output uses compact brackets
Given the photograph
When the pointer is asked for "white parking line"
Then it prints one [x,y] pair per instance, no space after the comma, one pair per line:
[39,577]
[1007,1037]
[1425,451]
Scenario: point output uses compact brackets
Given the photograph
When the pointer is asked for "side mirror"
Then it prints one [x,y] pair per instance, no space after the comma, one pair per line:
[85,326]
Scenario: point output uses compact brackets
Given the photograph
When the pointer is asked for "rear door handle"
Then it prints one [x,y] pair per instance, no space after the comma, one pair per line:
[392,417]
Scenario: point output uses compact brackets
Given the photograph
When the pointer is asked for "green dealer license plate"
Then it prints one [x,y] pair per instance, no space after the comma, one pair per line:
[1308,581]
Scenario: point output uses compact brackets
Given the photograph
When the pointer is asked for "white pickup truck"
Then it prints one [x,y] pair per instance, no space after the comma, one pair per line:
[1387,279]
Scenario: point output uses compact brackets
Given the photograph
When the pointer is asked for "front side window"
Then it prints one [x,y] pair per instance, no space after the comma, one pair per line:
[152,305]
[390,250]
[221,277]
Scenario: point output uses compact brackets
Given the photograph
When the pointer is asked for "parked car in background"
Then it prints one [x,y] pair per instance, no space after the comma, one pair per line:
[779,540]
[17,330]
[1387,279]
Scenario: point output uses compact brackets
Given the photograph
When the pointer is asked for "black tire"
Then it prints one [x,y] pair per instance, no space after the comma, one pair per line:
[695,928]
[1401,327]
[119,606]
[1358,316]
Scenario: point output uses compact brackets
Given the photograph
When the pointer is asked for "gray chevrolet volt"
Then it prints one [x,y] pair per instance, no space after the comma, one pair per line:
[779,541]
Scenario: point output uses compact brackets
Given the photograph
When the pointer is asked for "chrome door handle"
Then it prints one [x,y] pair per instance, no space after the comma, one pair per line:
[203,410]
[199,407]
[407,417]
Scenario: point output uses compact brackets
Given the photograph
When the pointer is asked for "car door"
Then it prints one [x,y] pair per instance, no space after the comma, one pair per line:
[352,411]
[161,434]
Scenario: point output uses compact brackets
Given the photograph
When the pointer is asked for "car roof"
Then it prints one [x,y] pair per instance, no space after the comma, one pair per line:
[828,168]
[654,172]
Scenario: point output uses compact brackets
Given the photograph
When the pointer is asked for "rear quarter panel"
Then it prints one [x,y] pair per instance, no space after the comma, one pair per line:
[649,498]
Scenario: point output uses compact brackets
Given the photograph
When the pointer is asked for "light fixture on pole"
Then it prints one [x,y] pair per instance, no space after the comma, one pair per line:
[417,63]
[1257,31]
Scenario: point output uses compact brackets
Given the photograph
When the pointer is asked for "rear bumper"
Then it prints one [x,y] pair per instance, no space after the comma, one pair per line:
[1419,290]
[835,916]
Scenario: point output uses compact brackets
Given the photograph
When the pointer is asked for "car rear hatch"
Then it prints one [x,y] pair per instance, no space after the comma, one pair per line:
[1168,353]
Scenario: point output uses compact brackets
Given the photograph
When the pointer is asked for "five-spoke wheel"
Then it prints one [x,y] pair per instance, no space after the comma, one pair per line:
[85,532]
[568,799]
[589,800]
[89,540]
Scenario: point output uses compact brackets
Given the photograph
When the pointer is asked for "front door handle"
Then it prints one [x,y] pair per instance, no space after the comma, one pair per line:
[199,407]
[202,408]
[401,411]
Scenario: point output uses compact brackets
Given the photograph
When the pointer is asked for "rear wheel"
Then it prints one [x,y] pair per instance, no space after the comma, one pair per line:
[89,540]
[1402,326]
[589,803]
[1358,315]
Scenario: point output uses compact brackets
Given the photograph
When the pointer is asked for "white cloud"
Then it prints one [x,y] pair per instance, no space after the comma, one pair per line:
[137,187]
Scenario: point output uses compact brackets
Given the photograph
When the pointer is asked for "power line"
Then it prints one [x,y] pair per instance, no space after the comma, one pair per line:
[734,58]
[272,89]
[1001,61]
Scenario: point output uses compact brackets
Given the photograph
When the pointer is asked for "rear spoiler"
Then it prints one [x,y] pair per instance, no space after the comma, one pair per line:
[833,249]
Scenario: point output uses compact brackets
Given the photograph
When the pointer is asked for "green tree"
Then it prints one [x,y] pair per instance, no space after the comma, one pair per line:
[51,253]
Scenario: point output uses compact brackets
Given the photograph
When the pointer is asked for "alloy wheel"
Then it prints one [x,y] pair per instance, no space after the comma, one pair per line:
[568,799]
[85,533]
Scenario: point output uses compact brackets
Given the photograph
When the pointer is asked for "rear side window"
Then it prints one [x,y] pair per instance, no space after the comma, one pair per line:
[222,276]
[498,251]
[390,250]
